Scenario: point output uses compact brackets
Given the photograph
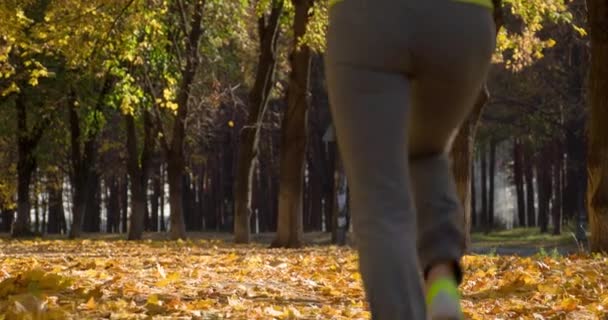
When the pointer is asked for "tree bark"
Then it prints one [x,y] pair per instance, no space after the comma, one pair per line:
[529,181]
[268,33]
[293,135]
[518,178]
[138,173]
[597,161]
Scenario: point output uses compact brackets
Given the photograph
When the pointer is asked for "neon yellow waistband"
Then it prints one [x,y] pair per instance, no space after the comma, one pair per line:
[484,3]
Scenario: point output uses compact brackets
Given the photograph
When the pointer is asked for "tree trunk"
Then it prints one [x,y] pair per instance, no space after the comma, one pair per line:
[55,204]
[315,197]
[187,195]
[138,193]
[597,161]
[155,198]
[556,211]
[462,148]
[92,215]
[82,169]
[492,188]
[473,220]
[329,183]
[485,217]
[175,151]
[268,32]
[113,206]
[462,157]
[124,204]
[518,178]
[200,206]
[174,174]
[36,195]
[340,201]
[85,178]
[544,189]
[529,181]
[26,165]
[293,136]
[163,226]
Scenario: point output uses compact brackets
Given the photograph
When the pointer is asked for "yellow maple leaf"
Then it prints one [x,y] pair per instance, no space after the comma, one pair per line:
[91,304]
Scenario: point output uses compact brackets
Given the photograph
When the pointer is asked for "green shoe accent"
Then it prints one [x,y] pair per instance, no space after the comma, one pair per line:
[445,285]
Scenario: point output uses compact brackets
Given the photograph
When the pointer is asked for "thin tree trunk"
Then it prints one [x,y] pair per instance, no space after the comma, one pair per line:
[8,216]
[544,190]
[597,161]
[176,164]
[492,187]
[163,226]
[529,181]
[36,195]
[138,193]
[340,200]
[268,32]
[462,157]
[26,165]
[485,217]
[518,176]
[316,196]
[85,179]
[55,204]
[92,215]
[558,189]
[155,198]
[174,173]
[473,191]
[293,136]
[113,206]
[124,204]
[329,183]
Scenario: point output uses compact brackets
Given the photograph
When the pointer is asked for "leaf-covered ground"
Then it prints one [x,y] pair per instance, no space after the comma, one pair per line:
[214,280]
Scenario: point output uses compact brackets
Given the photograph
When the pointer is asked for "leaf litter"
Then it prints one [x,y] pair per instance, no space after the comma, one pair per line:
[211,279]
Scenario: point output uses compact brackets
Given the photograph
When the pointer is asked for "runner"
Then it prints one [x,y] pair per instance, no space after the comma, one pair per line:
[403,76]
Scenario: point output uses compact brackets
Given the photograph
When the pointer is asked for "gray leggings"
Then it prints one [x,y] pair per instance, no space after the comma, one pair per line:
[402,77]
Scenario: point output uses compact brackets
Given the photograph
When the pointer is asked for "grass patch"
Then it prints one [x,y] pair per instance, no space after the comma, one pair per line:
[529,237]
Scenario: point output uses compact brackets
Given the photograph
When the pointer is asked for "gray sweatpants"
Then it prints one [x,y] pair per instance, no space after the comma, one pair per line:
[402,77]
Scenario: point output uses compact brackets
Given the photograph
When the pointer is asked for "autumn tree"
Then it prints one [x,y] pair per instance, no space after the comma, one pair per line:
[597,194]
[293,133]
[268,29]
